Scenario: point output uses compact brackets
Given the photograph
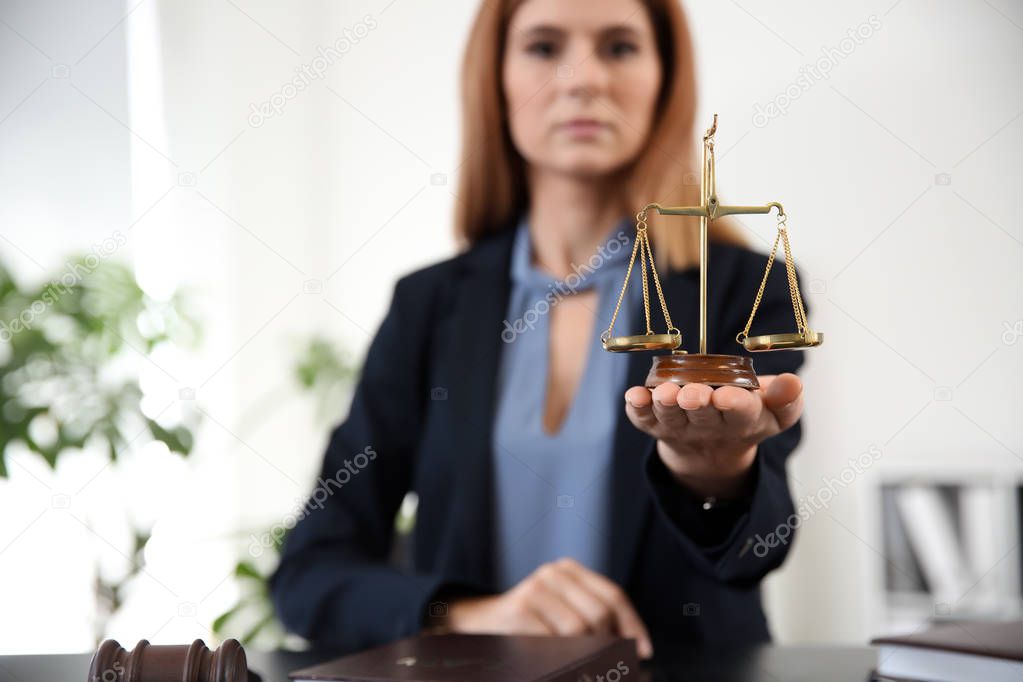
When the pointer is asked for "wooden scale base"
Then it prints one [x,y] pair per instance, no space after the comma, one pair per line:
[681,368]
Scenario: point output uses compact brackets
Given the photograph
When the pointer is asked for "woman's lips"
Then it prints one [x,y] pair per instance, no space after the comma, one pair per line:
[583,127]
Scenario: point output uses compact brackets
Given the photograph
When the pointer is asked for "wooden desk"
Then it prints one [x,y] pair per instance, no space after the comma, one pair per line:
[763,664]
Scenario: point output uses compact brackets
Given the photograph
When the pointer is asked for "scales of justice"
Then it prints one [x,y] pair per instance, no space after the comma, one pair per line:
[679,366]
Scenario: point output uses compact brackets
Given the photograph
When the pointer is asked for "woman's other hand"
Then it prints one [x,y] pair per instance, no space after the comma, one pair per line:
[558,598]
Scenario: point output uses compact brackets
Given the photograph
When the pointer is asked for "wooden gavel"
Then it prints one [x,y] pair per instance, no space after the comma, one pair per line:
[170,663]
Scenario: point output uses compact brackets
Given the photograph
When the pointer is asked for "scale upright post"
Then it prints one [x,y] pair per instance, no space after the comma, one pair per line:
[708,210]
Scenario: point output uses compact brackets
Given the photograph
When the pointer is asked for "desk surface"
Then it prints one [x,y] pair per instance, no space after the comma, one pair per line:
[763,664]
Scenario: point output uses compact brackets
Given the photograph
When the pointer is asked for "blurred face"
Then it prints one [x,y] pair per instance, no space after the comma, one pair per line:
[581,79]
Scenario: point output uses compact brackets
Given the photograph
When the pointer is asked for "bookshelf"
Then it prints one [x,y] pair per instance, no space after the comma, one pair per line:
[948,543]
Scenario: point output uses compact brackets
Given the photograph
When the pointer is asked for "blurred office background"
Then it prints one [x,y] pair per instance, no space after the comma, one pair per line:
[266,223]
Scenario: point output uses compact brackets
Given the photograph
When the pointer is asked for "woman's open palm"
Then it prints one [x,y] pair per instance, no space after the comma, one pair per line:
[707,436]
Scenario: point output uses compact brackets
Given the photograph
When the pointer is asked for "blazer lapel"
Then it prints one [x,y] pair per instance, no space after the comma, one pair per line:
[630,498]
[479,305]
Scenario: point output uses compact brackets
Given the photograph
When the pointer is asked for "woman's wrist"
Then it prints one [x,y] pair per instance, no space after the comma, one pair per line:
[723,476]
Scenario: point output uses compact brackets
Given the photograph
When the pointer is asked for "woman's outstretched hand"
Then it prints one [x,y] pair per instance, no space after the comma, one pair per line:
[708,437]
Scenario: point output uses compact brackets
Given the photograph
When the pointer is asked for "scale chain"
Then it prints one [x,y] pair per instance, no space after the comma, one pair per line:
[641,246]
[790,271]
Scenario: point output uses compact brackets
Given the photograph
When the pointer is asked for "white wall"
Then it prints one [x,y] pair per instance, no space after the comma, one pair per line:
[911,281]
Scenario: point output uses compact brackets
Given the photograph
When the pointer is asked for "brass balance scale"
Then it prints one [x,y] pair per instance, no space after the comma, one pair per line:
[679,366]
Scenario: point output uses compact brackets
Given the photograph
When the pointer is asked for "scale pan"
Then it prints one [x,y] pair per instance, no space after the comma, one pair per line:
[619,344]
[793,341]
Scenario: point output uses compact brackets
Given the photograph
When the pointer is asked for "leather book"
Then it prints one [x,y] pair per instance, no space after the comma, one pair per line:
[494,658]
[967,652]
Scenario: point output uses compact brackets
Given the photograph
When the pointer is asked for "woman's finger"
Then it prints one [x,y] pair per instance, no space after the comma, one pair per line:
[550,606]
[783,397]
[739,407]
[666,407]
[530,623]
[639,408]
[588,605]
[628,622]
[695,399]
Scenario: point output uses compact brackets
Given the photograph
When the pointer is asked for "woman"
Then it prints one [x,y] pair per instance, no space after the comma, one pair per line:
[547,504]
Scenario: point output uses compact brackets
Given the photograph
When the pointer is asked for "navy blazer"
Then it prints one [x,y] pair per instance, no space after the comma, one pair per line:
[424,407]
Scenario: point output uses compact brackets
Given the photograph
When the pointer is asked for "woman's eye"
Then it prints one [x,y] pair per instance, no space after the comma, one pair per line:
[622,48]
[541,48]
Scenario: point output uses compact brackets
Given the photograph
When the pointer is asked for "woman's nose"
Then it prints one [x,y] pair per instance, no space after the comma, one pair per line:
[585,76]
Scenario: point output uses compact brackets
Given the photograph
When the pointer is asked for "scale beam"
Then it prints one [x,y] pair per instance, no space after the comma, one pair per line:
[715,210]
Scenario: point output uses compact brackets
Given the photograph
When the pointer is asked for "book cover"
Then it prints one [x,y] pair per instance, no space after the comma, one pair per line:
[496,658]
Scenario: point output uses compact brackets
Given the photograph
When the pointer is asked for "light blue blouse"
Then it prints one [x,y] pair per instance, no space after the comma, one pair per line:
[551,492]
